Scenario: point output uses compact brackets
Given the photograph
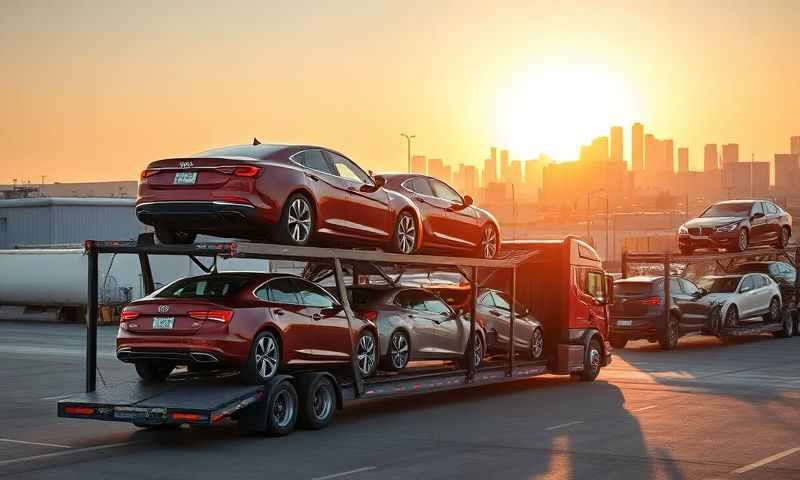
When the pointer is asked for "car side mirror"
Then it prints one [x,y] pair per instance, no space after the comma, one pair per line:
[377,183]
[465,202]
[744,289]
[331,311]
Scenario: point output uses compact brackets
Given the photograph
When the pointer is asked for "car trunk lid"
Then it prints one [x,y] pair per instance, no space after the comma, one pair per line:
[190,173]
[172,316]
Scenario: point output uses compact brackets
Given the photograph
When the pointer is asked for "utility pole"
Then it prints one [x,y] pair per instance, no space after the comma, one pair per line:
[408,141]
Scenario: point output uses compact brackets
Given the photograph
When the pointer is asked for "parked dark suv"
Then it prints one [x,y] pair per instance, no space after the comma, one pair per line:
[736,225]
[638,311]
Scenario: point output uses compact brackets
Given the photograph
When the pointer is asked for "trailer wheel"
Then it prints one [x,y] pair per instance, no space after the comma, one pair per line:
[618,341]
[317,402]
[787,329]
[282,409]
[669,339]
[152,371]
[592,361]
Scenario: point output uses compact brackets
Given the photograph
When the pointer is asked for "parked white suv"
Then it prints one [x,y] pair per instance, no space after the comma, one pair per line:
[744,296]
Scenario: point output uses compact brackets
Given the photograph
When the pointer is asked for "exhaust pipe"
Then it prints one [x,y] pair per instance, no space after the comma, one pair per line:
[202,357]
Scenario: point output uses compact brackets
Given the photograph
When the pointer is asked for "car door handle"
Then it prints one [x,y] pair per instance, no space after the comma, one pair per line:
[316,316]
[312,177]
[278,311]
[495,313]
[420,200]
[351,189]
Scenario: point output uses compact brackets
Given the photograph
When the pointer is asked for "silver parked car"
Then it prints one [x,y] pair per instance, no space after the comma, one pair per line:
[494,315]
[743,296]
[415,324]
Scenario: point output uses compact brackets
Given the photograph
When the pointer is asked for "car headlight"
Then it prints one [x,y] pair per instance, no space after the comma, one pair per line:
[727,228]
[682,230]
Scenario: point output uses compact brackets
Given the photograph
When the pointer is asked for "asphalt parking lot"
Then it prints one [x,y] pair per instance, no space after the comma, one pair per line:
[710,410]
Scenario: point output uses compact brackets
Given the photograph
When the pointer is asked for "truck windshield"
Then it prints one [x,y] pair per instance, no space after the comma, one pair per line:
[205,287]
[719,285]
[728,210]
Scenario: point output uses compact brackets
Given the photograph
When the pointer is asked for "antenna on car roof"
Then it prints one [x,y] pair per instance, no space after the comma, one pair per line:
[255,141]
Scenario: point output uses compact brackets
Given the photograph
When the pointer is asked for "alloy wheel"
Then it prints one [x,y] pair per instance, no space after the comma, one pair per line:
[282,409]
[489,242]
[406,234]
[743,240]
[299,220]
[784,237]
[731,317]
[366,355]
[594,359]
[399,351]
[266,357]
[774,311]
[537,344]
[477,350]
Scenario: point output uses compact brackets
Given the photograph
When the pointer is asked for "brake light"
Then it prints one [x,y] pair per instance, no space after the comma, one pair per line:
[186,417]
[147,173]
[128,315]
[223,316]
[368,315]
[247,171]
[79,410]
[652,301]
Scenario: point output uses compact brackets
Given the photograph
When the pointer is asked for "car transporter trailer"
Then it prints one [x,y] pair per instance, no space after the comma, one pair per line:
[725,262]
[186,398]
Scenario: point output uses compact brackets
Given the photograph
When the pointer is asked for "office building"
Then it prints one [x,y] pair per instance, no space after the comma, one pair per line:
[503,165]
[710,157]
[795,145]
[746,179]
[489,170]
[616,144]
[419,164]
[730,153]
[637,147]
[669,158]
[683,160]
[437,169]
[787,171]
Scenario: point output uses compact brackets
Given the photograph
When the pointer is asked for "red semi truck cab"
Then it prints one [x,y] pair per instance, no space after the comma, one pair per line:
[564,286]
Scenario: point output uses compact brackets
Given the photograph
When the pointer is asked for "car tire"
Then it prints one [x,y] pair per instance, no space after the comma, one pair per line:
[171,237]
[774,312]
[536,350]
[367,353]
[282,407]
[317,402]
[298,221]
[668,340]
[787,327]
[592,361]
[743,241]
[490,242]
[731,317]
[784,237]
[618,341]
[398,352]
[405,238]
[264,359]
[478,351]
[153,372]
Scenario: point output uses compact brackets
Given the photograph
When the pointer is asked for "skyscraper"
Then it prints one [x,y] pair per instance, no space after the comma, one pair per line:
[419,164]
[787,171]
[710,157]
[616,144]
[730,153]
[795,145]
[637,147]
[683,160]
[489,170]
[669,156]
[503,165]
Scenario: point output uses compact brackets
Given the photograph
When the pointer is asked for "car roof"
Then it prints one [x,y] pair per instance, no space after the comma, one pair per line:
[259,152]
[732,275]
[640,279]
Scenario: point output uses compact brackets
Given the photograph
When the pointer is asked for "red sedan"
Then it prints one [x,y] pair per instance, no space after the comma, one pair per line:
[258,323]
[450,222]
[292,194]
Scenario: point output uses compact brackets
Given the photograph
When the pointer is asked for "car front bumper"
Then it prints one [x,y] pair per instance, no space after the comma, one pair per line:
[714,240]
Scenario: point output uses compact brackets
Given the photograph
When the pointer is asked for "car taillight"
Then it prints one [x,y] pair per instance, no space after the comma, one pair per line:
[651,301]
[368,315]
[147,173]
[248,171]
[215,315]
[128,315]
[79,410]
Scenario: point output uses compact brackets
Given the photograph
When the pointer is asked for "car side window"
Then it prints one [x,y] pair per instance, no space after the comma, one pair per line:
[688,287]
[435,305]
[748,283]
[311,295]
[501,302]
[420,186]
[280,290]
[443,191]
[313,159]
[411,299]
[675,286]
[757,208]
[788,271]
[347,169]
[770,208]
[487,300]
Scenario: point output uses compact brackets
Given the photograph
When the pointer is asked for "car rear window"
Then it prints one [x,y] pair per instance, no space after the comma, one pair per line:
[633,288]
[205,287]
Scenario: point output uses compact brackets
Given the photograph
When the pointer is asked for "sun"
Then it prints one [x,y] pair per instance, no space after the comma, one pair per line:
[555,109]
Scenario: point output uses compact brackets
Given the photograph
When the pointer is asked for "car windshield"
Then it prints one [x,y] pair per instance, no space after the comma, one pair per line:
[719,284]
[633,288]
[728,210]
[256,152]
[205,287]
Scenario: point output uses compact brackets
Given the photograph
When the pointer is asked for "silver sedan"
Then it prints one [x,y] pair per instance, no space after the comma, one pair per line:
[415,324]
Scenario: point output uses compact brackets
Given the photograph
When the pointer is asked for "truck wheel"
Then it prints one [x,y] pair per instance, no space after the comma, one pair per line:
[152,371]
[592,361]
[618,341]
[317,402]
[282,409]
[669,339]
[537,344]
[787,329]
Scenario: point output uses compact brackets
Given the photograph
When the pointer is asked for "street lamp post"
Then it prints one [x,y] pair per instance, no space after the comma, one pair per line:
[408,141]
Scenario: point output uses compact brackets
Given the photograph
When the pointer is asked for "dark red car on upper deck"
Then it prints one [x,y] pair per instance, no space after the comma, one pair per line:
[450,222]
[293,194]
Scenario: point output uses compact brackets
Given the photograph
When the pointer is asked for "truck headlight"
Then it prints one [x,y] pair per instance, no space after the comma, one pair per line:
[682,230]
[727,228]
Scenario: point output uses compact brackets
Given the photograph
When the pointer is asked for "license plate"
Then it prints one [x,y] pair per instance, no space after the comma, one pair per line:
[185,178]
[624,323]
[163,322]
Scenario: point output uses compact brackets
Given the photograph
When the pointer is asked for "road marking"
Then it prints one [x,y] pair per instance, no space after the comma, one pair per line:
[10,440]
[765,461]
[649,407]
[342,474]
[62,453]
[565,425]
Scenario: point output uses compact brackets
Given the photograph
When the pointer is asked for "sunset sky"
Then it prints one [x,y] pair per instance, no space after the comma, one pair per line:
[95,90]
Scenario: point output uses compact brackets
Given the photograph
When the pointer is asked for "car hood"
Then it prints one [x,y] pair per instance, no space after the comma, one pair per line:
[713,221]
[716,298]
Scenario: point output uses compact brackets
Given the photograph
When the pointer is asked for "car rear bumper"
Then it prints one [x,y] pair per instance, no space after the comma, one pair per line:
[196,214]
[639,327]
[714,240]
[183,350]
